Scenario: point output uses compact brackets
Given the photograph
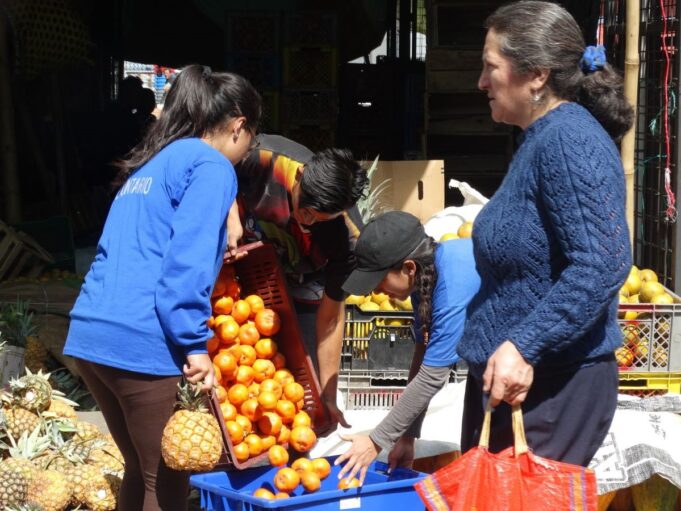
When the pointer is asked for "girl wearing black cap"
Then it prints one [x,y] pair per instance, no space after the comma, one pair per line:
[395,256]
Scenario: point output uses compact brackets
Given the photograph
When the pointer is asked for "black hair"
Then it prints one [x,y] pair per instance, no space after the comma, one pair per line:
[542,35]
[199,103]
[424,280]
[332,181]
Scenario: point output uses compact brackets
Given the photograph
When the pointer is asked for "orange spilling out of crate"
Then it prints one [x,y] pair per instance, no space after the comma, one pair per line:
[260,274]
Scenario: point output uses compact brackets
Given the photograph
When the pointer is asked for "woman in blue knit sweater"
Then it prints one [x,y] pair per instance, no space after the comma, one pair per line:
[552,246]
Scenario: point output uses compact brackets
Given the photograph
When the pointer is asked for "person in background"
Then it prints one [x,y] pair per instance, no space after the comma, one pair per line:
[395,256]
[552,245]
[304,203]
[139,323]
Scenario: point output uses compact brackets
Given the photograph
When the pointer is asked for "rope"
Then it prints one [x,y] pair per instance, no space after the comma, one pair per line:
[671,199]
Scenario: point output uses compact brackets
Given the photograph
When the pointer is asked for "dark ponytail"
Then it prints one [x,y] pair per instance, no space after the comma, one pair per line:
[424,281]
[198,103]
[542,35]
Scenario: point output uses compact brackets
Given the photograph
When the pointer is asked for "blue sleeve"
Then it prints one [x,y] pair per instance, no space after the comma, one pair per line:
[194,254]
[581,190]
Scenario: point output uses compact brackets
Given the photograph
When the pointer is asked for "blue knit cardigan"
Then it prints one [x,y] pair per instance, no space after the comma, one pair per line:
[552,248]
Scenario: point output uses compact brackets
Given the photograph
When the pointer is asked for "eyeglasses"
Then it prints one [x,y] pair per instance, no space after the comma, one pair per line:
[255,143]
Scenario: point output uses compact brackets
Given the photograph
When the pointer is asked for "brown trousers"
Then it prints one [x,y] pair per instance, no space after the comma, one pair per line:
[136,408]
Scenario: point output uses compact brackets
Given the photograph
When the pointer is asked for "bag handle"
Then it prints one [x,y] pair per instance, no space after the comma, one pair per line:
[519,440]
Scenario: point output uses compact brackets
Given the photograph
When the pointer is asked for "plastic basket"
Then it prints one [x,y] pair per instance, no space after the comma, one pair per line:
[300,107]
[649,384]
[250,31]
[234,491]
[263,70]
[653,338]
[311,27]
[377,340]
[260,273]
[310,67]
[312,137]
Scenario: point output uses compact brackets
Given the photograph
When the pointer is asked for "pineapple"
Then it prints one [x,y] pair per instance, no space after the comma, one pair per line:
[13,487]
[32,391]
[25,451]
[106,456]
[35,355]
[50,490]
[17,420]
[82,478]
[61,409]
[87,431]
[191,438]
[103,498]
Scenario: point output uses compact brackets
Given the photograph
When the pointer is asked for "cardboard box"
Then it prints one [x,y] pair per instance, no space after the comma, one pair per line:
[417,187]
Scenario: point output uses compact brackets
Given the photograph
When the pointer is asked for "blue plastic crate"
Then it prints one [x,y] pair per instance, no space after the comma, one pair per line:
[233,491]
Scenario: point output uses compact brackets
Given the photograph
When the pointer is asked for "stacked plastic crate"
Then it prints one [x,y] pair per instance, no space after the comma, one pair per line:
[253,50]
[309,104]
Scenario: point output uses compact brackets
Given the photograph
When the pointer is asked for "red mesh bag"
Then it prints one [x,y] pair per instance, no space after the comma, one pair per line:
[512,480]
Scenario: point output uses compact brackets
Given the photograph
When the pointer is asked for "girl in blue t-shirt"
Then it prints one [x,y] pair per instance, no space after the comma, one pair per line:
[139,323]
[396,257]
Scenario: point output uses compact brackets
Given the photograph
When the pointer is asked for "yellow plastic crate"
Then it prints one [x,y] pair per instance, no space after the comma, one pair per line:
[645,384]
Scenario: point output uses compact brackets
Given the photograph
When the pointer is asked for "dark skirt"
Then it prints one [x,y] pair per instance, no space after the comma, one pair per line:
[566,414]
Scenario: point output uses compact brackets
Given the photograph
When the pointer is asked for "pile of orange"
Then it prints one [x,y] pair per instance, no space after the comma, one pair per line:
[262,404]
[303,472]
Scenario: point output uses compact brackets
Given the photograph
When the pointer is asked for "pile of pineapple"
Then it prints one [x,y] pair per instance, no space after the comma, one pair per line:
[48,458]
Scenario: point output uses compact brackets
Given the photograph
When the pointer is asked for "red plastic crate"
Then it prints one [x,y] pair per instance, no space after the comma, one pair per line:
[260,273]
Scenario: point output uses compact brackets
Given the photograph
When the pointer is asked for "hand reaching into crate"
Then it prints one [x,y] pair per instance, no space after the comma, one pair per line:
[358,458]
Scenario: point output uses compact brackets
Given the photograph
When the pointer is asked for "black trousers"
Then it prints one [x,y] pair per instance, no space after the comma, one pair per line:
[566,414]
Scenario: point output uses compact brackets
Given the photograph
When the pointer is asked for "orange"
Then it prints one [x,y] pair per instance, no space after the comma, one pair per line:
[233,290]
[264,369]
[268,441]
[310,481]
[279,360]
[268,400]
[281,495]
[294,391]
[227,331]
[221,393]
[254,444]
[283,435]
[321,467]
[248,334]
[253,390]
[270,424]
[255,303]
[225,276]
[302,438]
[228,411]
[286,410]
[235,432]
[241,452]
[286,479]
[300,405]
[283,376]
[270,385]
[245,423]
[302,419]
[266,348]
[223,305]
[302,465]
[245,375]
[212,344]
[346,483]
[219,320]
[225,361]
[264,493]
[240,311]
[267,322]
[237,394]
[248,355]
[251,409]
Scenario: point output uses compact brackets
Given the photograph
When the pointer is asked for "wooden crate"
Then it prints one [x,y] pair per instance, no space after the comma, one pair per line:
[20,255]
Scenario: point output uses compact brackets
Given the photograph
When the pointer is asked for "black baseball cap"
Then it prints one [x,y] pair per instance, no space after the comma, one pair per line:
[383,243]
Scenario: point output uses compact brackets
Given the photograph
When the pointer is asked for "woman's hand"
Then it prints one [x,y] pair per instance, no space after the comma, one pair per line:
[402,454]
[199,368]
[508,377]
[235,231]
[361,454]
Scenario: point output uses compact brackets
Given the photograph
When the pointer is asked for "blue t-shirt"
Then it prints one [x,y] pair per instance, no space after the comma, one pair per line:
[457,283]
[145,301]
